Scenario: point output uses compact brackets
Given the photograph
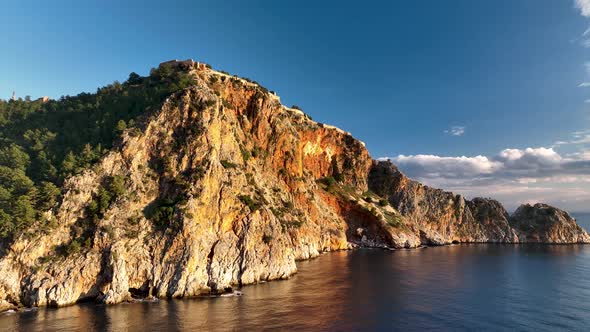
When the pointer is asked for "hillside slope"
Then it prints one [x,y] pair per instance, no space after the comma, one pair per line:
[224,186]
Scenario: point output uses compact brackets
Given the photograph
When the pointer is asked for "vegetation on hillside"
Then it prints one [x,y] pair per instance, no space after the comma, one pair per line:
[43,143]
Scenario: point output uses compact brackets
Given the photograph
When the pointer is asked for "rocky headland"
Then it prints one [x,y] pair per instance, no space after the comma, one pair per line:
[225,186]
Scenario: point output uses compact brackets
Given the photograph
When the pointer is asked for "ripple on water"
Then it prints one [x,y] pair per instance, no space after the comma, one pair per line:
[464,287]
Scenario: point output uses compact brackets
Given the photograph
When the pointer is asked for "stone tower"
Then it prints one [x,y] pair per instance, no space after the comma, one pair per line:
[13,96]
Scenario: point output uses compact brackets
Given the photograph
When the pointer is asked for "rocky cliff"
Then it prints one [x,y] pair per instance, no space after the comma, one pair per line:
[546,224]
[225,186]
[440,217]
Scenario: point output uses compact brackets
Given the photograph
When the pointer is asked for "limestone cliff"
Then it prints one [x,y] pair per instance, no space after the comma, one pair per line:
[544,223]
[225,186]
[441,217]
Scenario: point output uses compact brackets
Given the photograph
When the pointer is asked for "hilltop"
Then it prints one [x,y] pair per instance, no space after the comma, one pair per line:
[192,181]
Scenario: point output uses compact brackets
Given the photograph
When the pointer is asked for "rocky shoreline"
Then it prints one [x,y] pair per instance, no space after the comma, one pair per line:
[12,308]
[225,186]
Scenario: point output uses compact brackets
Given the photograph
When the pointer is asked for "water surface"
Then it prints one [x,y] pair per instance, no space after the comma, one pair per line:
[462,287]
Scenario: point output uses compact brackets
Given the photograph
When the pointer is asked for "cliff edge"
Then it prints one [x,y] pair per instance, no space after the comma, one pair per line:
[225,186]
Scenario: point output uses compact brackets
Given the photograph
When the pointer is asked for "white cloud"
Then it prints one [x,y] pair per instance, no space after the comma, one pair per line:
[436,166]
[513,176]
[577,138]
[529,158]
[511,154]
[580,133]
[512,163]
[583,6]
[580,155]
[584,85]
[455,131]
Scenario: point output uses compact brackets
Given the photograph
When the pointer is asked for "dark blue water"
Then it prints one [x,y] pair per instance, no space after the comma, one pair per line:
[463,287]
[583,219]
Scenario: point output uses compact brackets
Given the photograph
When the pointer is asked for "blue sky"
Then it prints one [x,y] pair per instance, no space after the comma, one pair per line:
[424,83]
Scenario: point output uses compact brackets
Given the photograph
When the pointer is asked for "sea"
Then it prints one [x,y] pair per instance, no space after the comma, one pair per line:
[467,287]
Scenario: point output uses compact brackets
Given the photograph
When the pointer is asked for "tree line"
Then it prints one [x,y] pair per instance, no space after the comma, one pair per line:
[44,143]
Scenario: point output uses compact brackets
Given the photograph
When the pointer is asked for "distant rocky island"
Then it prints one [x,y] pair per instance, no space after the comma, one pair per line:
[192,181]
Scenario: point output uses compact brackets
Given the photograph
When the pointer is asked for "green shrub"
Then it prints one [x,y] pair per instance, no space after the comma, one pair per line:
[45,142]
[252,204]
[133,220]
[116,185]
[135,132]
[161,212]
[48,195]
[121,126]
[283,172]
[373,211]
[110,230]
[228,164]
[328,181]
[226,103]
[259,152]
[236,82]
[266,238]
[383,202]
[44,259]
[250,179]
[111,189]
[291,224]
[393,219]
[245,154]
[263,89]
[276,212]
[73,247]
[134,79]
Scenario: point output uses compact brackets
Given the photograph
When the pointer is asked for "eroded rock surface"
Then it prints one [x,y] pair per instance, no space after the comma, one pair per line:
[442,217]
[547,224]
[225,186]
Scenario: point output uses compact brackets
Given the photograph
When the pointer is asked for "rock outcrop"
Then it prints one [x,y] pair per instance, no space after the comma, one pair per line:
[547,224]
[225,186]
[442,217]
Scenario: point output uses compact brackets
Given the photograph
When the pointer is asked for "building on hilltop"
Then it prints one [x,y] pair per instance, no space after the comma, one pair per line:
[185,64]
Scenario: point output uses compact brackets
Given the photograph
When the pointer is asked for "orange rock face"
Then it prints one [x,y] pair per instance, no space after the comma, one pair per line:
[225,187]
